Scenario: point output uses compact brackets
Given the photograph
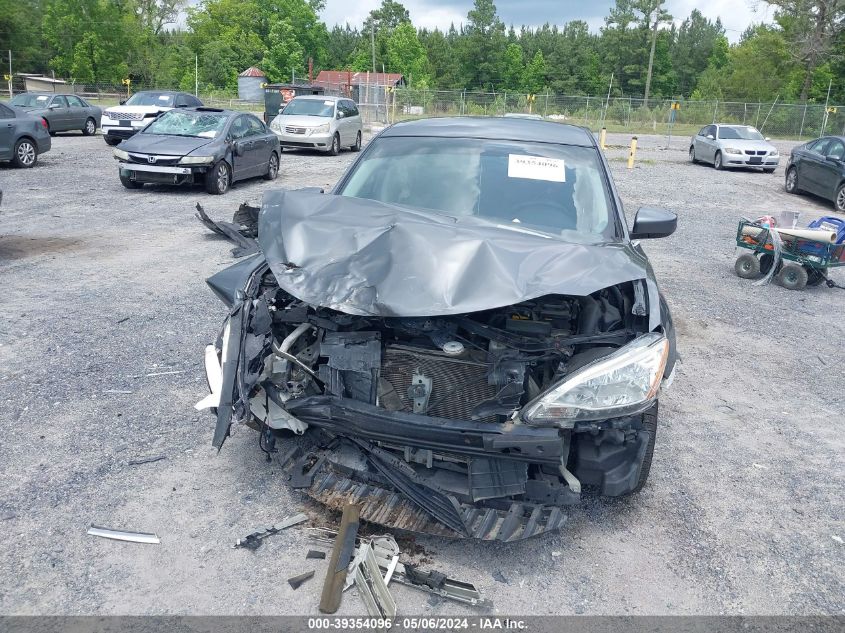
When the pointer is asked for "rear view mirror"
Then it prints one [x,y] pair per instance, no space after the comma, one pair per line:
[651,223]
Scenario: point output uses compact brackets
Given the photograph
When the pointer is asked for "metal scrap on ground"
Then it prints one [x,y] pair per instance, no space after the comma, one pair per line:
[123,535]
[344,548]
[256,539]
[296,581]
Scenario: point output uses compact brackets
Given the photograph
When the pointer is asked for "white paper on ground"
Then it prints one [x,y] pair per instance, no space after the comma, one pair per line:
[536,168]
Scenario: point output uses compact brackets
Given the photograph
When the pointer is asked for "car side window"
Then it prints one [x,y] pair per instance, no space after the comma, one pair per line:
[6,113]
[74,102]
[239,127]
[836,149]
[194,102]
[59,101]
[353,109]
[181,101]
[820,146]
[254,127]
[703,131]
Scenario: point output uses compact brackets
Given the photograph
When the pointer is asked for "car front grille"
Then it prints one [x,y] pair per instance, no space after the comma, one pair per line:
[751,152]
[157,160]
[295,130]
[126,116]
[457,385]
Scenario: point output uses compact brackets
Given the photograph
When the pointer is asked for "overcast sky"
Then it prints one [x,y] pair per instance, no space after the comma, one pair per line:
[736,14]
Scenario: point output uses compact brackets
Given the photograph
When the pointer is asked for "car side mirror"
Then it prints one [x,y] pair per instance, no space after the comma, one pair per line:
[54,106]
[711,137]
[833,159]
[311,190]
[123,102]
[767,139]
[652,223]
[340,115]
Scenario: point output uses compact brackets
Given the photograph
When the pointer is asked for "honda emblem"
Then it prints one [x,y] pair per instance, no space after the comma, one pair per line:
[151,159]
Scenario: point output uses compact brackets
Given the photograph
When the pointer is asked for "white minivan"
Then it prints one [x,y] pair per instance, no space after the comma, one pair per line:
[319,122]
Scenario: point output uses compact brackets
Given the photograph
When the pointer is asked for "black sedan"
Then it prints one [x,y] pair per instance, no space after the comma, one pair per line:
[466,328]
[22,136]
[61,112]
[818,167]
[202,146]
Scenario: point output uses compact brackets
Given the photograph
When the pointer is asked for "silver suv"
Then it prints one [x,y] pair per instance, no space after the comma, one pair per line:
[319,122]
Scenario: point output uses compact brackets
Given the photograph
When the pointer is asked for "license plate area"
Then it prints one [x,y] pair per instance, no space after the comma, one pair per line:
[125,123]
[756,160]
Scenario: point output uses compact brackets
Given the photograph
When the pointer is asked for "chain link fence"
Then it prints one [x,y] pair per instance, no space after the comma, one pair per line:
[382,105]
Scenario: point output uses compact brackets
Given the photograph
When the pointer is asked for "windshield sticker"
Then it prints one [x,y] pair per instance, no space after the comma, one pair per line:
[536,168]
[163,97]
[41,98]
[328,103]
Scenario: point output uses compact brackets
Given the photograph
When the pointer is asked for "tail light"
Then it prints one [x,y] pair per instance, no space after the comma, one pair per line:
[45,124]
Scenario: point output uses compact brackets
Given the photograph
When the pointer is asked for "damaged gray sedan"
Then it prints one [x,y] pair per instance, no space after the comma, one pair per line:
[464,336]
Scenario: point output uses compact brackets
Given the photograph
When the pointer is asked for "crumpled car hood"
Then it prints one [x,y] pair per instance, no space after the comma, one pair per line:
[369,258]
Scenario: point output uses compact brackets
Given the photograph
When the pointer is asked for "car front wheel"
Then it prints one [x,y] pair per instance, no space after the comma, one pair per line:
[692,157]
[791,180]
[127,182]
[90,127]
[217,179]
[650,425]
[26,155]
[357,146]
[717,163]
[839,202]
[334,150]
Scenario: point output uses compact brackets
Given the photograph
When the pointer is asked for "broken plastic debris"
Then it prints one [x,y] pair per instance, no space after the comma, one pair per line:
[313,553]
[296,581]
[123,535]
[256,539]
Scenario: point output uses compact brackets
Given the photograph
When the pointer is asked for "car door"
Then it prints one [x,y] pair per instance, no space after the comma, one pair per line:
[810,167]
[77,113]
[58,115]
[261,145]
[707,142]
[7,132]
[355,123]
[245,157]
[829,170]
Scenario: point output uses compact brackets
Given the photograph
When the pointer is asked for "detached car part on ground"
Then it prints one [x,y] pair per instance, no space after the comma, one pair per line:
[23,137]
[205,146]
[464,369]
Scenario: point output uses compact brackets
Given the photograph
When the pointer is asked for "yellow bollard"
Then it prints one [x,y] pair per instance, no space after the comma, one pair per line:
[633,153]
[602,137]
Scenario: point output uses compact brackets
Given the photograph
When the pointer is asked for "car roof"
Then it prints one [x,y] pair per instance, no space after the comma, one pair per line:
[732,125]
[318,98]
[503,128]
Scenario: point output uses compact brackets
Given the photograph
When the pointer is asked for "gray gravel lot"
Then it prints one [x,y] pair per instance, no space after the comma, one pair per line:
[101,286]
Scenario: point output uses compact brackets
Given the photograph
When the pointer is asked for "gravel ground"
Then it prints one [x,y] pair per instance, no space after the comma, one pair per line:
[105,316]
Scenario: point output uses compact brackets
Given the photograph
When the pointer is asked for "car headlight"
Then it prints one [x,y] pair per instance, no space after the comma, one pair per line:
[107,114]
[321,129]
[732,150]
[196,160]
[119,153]
[624,383]
[774,152]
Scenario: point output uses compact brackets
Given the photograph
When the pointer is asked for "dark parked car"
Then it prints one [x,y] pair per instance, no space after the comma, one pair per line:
[23,137]
[202,146]
[61,112]
[818,167]
[465,330]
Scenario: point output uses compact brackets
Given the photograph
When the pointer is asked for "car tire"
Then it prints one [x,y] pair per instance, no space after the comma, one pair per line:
[90,127]
[25,154]
[357,146]
[717,161]
[839,200]
[650,425]
[692,157]
[218,178]
[272,167]
[127,182]
[334,150]
[747,266]
[110,140]
[791,183]
[793,277]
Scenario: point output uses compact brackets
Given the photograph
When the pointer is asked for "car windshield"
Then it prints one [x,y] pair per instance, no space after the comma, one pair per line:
[151,99]
[30,101]
[740,132]
[556,189]
[310,107]
[188,123]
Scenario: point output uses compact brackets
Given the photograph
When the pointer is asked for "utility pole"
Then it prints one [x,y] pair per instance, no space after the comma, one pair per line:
[657,10]
[373,42]
[10,73]
[196,75]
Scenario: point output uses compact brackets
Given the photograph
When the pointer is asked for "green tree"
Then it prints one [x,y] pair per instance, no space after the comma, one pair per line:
[285,54]
[484,46]
[535,74]
[514,67]
[406,55]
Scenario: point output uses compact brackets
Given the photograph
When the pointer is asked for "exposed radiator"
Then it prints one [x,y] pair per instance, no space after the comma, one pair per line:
[457,385]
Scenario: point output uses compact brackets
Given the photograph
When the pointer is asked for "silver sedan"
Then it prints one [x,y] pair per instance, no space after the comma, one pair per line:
[733,146]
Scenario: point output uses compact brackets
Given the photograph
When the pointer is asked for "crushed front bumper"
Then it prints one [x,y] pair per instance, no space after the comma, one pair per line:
[160,173]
